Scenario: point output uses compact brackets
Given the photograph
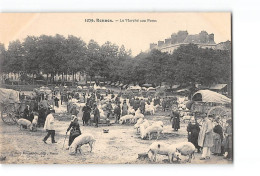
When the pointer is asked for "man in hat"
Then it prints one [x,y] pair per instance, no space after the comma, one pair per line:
[142,106]
[117,112]
[205,139]
[96,115]
[56,101]
[86,114]
[49,127]
[136,104]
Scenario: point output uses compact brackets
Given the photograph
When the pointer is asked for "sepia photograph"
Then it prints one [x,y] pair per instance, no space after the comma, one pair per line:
[116,88]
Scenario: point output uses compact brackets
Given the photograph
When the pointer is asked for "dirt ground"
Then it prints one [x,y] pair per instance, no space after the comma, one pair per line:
[121,145]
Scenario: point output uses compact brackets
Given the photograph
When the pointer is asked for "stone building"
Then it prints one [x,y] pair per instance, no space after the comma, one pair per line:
[203,40]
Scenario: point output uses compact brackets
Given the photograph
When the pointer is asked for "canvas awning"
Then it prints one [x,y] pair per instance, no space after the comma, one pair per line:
[9,96]
[210,96]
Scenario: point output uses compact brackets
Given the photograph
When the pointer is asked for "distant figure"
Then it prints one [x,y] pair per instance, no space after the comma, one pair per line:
[26,112]
[112,96]
[86,114]
[56,101]
[96,115]
[124,108]
[142,106]
[49,127]
[84,96]
[175,117]
[164,104]
[136,104]
[117,112]
[42,116]
[109,109]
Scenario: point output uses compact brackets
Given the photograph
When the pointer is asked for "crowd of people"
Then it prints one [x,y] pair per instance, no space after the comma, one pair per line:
[208,138]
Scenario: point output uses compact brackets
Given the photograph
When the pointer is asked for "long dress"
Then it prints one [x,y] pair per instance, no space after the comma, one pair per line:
[175,120]
[74,131]
[217,139]
[124,109]
[86,114]
[193,135]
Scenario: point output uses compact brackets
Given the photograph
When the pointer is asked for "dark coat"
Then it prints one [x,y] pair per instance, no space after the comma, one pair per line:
[175,120]
[74,131]
[96,115]
[117,110]
[193,133]
[228,138]
[136,104]
[142,105]
[56,101]
[86,113]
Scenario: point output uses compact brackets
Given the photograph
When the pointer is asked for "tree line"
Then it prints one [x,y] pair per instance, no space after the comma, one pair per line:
[54,55]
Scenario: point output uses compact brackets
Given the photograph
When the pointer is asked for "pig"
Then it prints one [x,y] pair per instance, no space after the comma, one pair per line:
[81,140]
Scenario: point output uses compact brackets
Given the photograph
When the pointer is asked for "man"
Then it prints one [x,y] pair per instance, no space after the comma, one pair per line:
[109,109]
[56,101]
[205,139]
[86,114]
[49,127]
[117,112]
[136,104]
[164,104]
[96,115]
[142,106]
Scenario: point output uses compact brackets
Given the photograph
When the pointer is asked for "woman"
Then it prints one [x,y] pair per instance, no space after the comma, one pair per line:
[217,139]
[86,114]
[193,133]
[124,108]
[74,129]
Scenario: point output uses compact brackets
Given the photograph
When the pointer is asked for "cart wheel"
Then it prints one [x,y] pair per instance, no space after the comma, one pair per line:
[219,112]
[8,115]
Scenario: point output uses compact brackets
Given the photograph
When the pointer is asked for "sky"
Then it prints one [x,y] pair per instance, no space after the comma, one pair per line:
[136,36]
